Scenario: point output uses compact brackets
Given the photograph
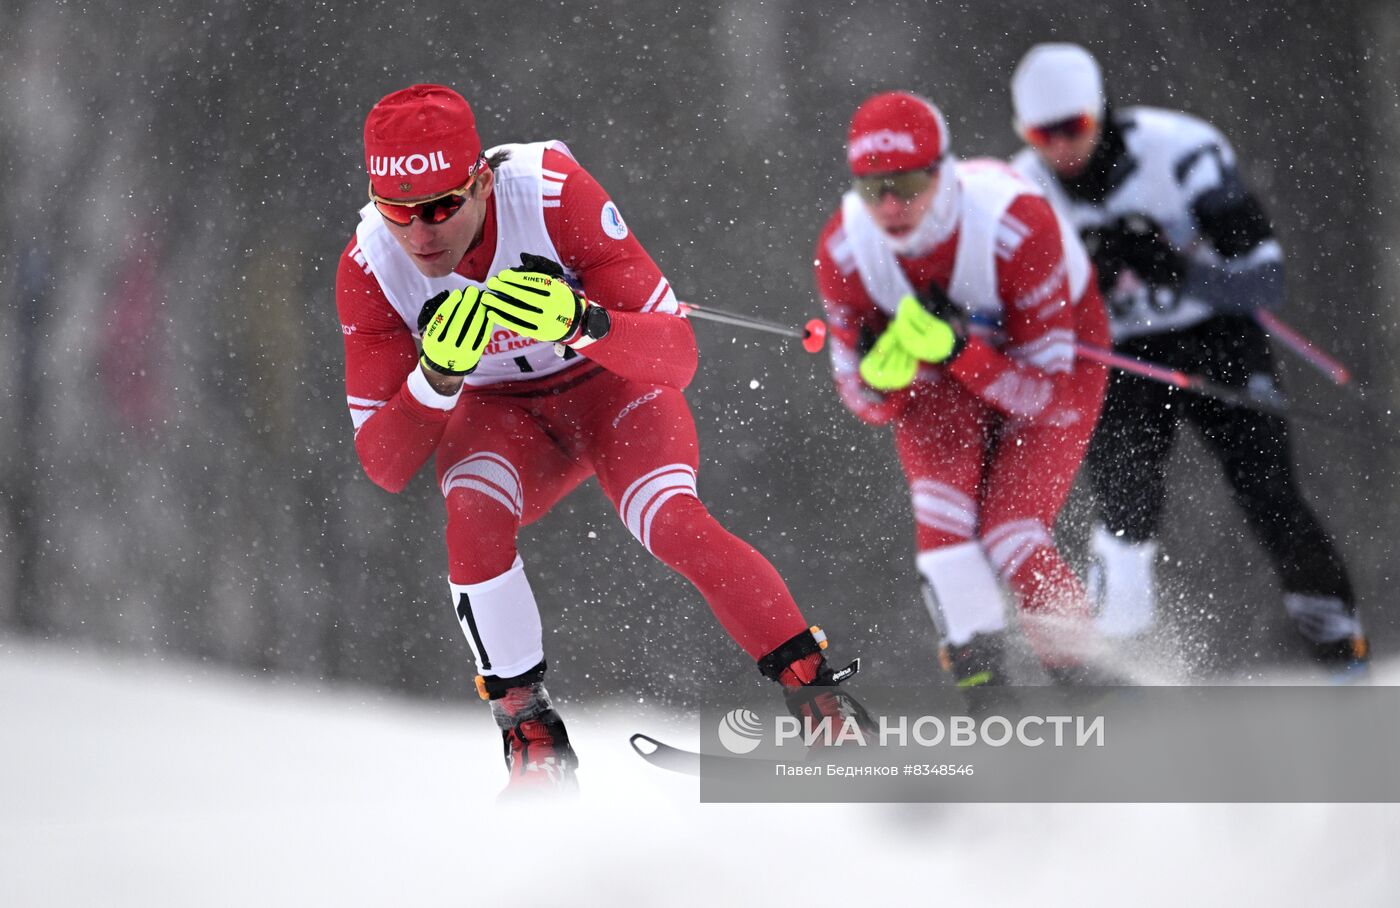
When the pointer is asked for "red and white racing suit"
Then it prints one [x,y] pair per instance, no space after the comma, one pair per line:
[991,441]
[529,425]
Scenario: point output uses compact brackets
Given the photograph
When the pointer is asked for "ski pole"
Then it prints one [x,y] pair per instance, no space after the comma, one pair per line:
[1178,379]
[812,335]
[1196,384]
[1338,373]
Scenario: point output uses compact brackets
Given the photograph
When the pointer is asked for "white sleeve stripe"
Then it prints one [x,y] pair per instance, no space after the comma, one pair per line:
[843,256]
[1007,241]
[659,296]
[552,190]
[844,361]
[1265,252]
[553,174]
[656,293]
[1015,225]
[1045,290]
[549,204]
[361,409]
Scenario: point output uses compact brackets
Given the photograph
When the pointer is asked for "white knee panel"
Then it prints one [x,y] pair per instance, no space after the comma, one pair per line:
[966,598]
[501,621]
[1122,579]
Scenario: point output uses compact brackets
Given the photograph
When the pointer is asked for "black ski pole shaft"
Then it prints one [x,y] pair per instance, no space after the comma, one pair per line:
[1197,384]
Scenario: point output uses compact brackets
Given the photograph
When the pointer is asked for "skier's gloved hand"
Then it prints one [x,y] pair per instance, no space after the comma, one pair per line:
[888,366]
[534,300]
[455,326]
[1136,242]
[929,328]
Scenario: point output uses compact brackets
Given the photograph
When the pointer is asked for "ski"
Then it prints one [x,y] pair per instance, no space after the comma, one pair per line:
[678,759]
[664,756]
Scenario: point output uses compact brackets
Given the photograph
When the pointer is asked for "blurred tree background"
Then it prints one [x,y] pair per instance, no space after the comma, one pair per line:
[176,468]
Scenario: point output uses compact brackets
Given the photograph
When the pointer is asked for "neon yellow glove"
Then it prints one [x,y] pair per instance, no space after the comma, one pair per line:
[924,335]
[534,300]
[455,326]
[888,366]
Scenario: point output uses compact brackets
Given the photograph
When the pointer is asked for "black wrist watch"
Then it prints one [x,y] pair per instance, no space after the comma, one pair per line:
[597,322]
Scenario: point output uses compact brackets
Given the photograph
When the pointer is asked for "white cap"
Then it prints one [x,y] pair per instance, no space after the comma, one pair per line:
[1054,82]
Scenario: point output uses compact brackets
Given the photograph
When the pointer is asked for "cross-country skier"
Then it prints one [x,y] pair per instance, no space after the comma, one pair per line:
[1184,254]
[552,350]
[990,428]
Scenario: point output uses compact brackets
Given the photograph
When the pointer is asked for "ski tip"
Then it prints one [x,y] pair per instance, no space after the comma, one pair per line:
[652,745]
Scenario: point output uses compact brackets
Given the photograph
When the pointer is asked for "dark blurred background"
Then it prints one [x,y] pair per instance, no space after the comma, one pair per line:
[177,476]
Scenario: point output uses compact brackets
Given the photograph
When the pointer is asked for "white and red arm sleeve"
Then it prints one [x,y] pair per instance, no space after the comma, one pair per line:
[1035,366]
[398,418]
[649,341]
[851,315]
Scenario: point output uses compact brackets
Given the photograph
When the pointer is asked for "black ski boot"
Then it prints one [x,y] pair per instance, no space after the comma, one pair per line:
[536,745]
[1346,660]
[977,668]
[1333,632]
[810,686]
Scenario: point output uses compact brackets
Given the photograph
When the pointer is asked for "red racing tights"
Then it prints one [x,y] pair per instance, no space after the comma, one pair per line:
[978,477]
[508,456]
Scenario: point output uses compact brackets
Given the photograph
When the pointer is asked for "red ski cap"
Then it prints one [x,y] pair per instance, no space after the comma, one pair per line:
[420,141]
[893,132]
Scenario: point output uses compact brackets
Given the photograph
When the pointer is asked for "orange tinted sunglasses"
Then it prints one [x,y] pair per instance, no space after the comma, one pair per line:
[1069,128]
[433,210]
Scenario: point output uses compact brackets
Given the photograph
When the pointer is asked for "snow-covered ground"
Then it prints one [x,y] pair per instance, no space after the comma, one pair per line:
[153,784]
